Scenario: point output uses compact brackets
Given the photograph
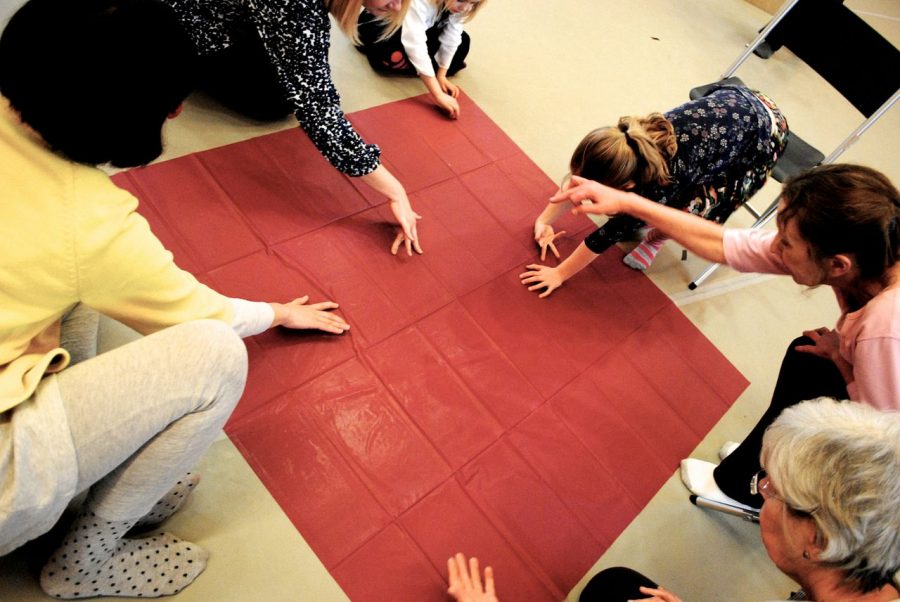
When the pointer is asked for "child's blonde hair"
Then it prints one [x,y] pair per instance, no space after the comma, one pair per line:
[637,151]
[346,13]
[445,5]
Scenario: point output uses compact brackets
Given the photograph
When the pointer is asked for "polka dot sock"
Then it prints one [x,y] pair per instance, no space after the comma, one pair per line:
[171,502]
[644,254]
[96,560]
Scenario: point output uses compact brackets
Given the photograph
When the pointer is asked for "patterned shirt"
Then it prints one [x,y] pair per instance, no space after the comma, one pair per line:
[296,35]
[724,139]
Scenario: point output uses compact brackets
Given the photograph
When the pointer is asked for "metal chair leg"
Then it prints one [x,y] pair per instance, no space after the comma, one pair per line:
[703,275]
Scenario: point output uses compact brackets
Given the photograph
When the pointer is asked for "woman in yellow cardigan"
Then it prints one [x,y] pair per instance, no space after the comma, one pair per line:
[127,424]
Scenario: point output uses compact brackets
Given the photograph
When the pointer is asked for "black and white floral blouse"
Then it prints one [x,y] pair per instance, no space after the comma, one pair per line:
[296,36]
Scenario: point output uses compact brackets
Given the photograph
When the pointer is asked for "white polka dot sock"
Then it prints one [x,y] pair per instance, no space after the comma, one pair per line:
[171,502]
[95,560]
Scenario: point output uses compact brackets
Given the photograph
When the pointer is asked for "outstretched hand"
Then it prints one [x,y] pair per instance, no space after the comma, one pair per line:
[407,236]
[318,316]
[541,276]
[544,237]
[465,580]
[602,199]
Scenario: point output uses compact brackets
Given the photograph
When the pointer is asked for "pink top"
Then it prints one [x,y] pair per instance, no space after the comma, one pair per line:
[870,336]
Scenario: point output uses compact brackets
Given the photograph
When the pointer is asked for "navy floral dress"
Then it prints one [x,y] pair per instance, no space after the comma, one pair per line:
[728,142]
[296,37]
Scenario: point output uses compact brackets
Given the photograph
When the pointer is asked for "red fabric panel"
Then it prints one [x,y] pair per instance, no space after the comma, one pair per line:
[282,185]
[523,505]
[583,483]
[480,364]
[364,575]
[309,477]
[448,520]
[449,415]
[197,211]
[460,412]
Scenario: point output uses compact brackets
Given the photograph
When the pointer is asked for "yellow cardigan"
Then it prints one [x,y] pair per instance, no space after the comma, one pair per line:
[69,235]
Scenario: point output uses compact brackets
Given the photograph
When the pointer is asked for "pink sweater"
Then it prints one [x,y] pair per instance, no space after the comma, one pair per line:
[870,336]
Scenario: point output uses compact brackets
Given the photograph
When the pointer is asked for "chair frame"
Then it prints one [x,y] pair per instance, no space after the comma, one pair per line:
[764,217]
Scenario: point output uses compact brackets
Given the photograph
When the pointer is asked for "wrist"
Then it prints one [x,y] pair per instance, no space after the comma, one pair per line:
[280,312]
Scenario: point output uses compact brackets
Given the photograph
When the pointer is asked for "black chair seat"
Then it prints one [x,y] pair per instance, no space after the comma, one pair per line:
[798,157]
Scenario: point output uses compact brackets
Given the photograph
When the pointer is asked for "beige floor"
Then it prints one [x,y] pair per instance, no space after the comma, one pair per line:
[547,72]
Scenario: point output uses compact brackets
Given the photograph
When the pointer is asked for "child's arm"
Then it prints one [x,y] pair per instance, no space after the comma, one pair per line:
[543,228]
[446,86]
[699,236]
[415,42]
[444,100]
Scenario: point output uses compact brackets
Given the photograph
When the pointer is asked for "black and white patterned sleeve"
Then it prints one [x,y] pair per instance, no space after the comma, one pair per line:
[296,34]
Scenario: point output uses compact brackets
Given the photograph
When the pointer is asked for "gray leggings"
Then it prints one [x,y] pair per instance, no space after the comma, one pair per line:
[142,415]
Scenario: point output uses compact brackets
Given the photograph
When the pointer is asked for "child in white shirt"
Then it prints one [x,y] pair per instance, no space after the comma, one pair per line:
[431,44]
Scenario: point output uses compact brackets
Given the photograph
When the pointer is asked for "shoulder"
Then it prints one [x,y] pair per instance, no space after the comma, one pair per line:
[881,315]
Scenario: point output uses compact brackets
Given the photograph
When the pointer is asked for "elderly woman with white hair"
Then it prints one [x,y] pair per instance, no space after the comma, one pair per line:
[829,519]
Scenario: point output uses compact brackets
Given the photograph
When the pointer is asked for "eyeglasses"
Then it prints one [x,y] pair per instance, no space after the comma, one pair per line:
[760,484]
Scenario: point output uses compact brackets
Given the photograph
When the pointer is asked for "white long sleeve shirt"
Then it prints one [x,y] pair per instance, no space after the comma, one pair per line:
[422,15]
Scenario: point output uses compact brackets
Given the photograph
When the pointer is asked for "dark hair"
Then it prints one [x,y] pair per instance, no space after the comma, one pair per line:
[848,209]
[97,78]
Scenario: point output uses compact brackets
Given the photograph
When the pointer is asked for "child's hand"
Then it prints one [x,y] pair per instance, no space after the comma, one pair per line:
[298,315]
[544,237]
[541,276]
[448,104]
[447,87]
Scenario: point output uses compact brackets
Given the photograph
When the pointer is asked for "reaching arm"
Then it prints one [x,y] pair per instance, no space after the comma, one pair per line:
[701,237]
[551,213]
[384,182]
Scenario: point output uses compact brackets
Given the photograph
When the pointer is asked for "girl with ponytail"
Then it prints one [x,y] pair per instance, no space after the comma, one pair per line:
[708,157]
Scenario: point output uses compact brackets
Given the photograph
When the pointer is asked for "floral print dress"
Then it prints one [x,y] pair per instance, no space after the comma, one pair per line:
[728,142]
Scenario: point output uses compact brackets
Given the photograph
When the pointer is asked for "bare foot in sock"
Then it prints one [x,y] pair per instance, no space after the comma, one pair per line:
[170,503]
[95,560]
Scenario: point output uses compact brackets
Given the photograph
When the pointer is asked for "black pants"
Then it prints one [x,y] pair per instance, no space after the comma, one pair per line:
[388,56]
[617,584]
[802,376]
[242,78]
